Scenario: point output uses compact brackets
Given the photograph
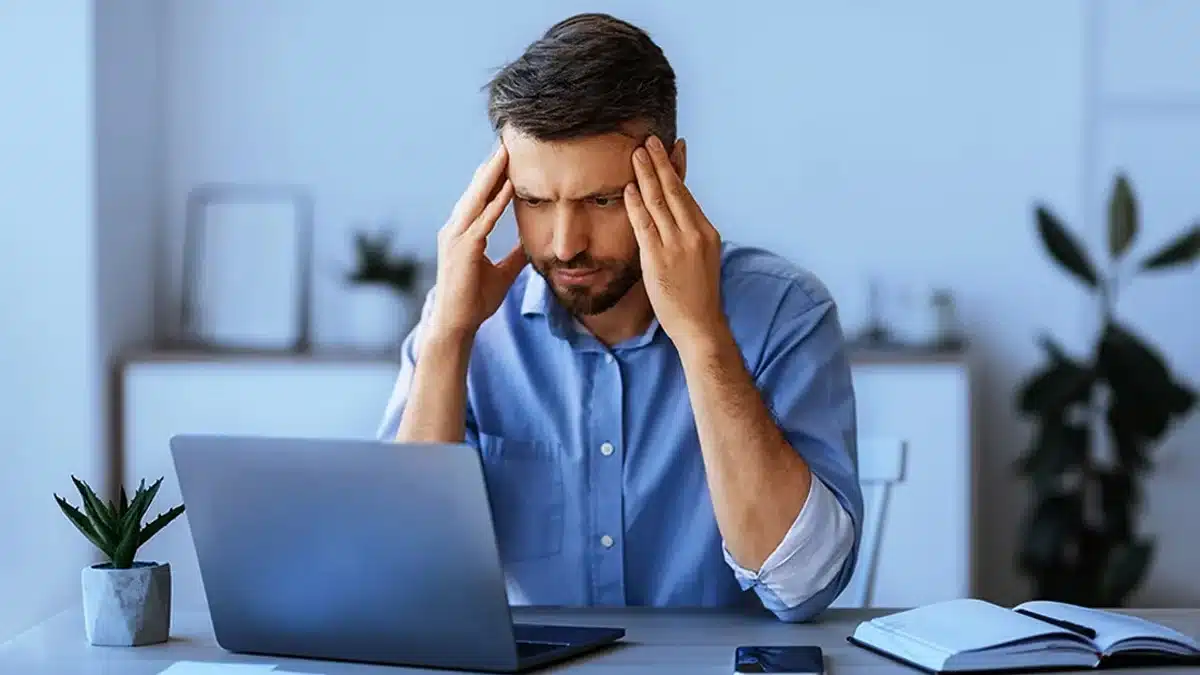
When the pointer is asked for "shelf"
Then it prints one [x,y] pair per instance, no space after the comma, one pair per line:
[860,355]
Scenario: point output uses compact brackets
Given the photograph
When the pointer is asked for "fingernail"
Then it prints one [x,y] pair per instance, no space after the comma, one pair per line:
[655,143]
[640,155]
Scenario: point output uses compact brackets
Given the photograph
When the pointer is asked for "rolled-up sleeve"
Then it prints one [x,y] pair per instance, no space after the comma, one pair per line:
[811,555]
[805,379]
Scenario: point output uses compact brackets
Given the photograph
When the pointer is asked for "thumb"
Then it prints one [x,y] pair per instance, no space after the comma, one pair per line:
[512,264]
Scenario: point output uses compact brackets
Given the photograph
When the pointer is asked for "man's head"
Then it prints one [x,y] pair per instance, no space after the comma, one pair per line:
[571,110]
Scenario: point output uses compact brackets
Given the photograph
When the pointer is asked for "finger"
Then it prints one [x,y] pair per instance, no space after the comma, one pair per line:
[483,185]
[651,193]
[680,199]
[643,224]
[486,221]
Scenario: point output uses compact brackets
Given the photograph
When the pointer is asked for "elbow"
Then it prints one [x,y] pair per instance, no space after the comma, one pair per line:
[813,606]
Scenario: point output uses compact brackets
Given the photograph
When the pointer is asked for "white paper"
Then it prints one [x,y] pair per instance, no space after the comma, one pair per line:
[209,668]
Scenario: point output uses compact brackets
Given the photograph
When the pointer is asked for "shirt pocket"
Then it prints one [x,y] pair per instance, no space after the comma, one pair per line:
[525,489]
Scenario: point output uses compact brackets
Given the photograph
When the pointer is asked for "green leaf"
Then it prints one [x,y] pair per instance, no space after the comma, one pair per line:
[1127,429]
[1127,566]
[1055,387]
[1144,392]
[1054,523]
[1053,349]
[1119,499]
[82,523]
[124,504]
[1064,248]
[102,518]
[1183,250]
[142,499]
[1122,217]
[122,557]
[1059,447]
[159,523]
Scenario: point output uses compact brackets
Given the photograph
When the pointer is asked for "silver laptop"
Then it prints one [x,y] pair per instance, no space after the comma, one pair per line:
[362,551]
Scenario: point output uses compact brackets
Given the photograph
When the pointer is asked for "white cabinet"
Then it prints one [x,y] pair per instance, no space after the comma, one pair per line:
[925,554]
[925,549]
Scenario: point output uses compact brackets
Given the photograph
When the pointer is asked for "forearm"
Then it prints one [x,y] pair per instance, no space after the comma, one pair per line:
[437,404]
[757,481]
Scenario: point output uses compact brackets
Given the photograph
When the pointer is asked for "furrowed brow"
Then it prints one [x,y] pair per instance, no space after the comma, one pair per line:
[606,191]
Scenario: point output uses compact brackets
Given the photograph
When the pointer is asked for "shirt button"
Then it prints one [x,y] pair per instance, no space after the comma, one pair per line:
[606,541]
[608,358]
[606,449]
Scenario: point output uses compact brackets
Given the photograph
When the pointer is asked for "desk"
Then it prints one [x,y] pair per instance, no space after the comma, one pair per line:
[657,642]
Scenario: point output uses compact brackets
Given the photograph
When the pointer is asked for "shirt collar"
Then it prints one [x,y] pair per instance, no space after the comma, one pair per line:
[537,295]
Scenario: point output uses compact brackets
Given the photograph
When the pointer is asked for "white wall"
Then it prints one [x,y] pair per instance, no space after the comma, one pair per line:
[48,366]
[74,274]
[906,141]
[129,175]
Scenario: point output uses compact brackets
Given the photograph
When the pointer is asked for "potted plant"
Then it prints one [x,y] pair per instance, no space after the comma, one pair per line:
[126,601]
[381,288]
[1080,540]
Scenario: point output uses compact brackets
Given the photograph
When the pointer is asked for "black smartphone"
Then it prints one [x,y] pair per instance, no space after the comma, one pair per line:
[781,660]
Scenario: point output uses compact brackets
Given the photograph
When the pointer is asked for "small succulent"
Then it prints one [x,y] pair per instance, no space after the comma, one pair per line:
[116,528]
[375,264]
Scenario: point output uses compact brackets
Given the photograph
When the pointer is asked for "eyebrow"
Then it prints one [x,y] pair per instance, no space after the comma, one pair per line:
[607,191]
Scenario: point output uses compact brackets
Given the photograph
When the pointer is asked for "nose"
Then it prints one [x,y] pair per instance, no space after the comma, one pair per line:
[570,233]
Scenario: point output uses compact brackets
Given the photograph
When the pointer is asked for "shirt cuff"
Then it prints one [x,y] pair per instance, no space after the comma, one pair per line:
[811,554]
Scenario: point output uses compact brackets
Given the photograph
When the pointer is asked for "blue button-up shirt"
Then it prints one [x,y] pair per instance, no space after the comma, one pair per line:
[591,453]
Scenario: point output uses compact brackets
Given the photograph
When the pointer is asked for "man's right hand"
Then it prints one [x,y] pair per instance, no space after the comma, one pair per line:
[470,287]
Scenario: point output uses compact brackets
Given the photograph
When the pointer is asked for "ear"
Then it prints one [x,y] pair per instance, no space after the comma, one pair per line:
[679,158]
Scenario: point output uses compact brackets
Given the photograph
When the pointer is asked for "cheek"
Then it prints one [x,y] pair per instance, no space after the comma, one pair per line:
[534,228]
[612,233]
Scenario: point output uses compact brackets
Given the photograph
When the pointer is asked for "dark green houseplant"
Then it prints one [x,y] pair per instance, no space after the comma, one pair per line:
[1080,537]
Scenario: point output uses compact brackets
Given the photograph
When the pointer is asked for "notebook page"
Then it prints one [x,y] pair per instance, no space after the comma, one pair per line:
[1110,627]
[966,624]
[216,668]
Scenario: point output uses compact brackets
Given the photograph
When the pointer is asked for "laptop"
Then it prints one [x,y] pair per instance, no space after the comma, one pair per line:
[363,551]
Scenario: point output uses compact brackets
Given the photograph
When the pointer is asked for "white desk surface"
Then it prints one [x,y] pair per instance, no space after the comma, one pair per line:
[657,642]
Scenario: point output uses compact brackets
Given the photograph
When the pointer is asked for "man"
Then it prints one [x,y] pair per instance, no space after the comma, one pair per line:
[663,419]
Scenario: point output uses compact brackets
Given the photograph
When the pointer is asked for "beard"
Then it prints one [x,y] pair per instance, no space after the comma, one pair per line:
[583,299]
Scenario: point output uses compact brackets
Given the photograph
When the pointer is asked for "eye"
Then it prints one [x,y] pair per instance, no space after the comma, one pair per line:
[529,201]
[604,202]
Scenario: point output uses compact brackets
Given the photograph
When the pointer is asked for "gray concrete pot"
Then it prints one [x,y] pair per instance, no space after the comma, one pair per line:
[127,607]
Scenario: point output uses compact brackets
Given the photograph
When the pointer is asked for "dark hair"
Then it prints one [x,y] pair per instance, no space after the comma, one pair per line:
[588,74]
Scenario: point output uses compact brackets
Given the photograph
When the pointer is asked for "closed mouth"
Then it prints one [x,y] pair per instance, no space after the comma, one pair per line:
[576,274]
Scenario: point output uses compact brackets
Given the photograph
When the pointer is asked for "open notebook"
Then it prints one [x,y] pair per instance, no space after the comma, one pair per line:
[974,635]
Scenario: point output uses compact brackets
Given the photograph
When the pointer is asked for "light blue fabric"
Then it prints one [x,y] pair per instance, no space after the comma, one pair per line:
[544,398]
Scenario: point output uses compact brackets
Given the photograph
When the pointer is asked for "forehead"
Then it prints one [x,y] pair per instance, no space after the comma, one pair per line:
[570,168]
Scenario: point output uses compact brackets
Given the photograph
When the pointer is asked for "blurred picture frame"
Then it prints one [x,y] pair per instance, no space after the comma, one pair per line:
[247,268]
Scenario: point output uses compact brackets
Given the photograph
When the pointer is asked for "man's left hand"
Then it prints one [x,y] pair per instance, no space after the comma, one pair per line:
[680,249]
